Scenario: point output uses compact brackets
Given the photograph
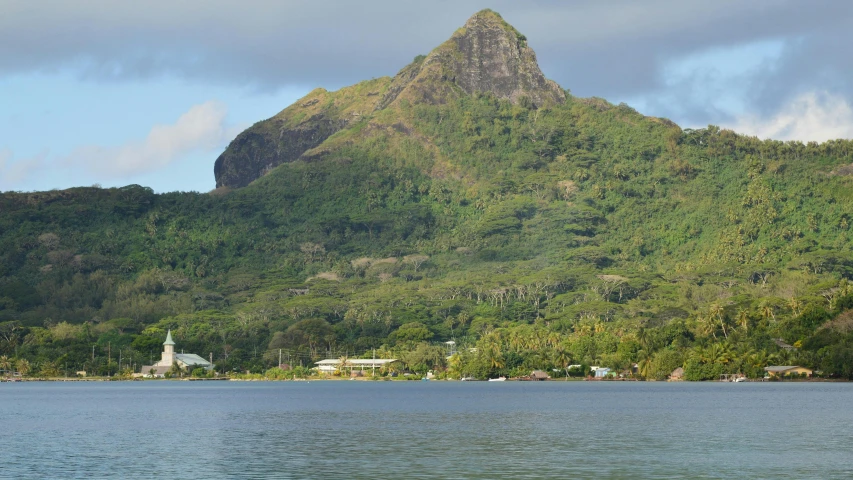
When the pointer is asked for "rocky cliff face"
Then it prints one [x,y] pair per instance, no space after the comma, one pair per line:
[295,130]
[269,144]
[494,57]
[486,55]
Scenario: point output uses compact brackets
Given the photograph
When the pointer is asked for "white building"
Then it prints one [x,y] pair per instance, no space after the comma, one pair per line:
[187,361]
[331,365]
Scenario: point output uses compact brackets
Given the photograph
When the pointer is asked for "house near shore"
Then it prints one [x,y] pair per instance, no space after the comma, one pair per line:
[362,365]
[539,375]
[781,371]
[186,361]
[602,372]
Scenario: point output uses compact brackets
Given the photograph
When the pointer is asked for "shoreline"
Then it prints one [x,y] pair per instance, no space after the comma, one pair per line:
[383,379]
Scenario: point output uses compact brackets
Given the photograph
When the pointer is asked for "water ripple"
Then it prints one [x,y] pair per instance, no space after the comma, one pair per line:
[357,430]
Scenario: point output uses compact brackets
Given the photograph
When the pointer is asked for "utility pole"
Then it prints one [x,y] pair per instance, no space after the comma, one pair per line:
[109,356]
[119,359]
[93,353]
[374,363]
[279,358]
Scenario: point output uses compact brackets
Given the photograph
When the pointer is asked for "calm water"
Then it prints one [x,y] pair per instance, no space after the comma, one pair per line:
[426,430]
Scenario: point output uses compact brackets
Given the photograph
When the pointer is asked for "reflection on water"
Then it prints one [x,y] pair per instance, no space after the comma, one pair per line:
[426,430]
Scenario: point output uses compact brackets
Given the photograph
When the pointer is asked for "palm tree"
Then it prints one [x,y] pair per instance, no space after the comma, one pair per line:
[714,353]
[343,363]
[23,366]
[708,324]
[463,318]
[698,353]
[795,306]
[454,365]
[711,353]
[716,311]
[519,338]
[645,364]
[492,351]
[176,370]
[535,359]
[5,364]
[644,338]
[540,339]
[786,357]
[720,353]
[49,369]
[743,319]
[560,357]
[553,338]
[767,312]
[757,360]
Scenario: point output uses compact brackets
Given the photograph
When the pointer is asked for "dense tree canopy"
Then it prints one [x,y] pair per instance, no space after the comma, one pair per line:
[582,233]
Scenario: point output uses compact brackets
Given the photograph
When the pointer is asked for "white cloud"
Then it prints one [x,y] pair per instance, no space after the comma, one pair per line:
[13,171]
[201,129]
[813,116]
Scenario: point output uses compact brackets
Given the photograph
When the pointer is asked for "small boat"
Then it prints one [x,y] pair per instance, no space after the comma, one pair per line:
[468,379]
[740,379]
[499,379]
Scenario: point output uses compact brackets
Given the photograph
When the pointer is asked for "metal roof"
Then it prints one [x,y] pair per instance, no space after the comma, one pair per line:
[169,340]
[782,368]
[191,359]
[357,361]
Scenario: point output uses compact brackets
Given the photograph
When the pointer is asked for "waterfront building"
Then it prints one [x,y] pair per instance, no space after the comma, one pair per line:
[186,361]
[781,371]
[331,365]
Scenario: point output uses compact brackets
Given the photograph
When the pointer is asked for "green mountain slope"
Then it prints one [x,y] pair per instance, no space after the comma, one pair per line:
[467,198]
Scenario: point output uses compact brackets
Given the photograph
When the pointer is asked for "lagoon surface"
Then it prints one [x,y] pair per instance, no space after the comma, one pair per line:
[400,430]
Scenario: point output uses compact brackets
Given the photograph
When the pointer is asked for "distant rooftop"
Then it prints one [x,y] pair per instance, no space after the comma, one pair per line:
[780,368]
[192,359]
[357,362]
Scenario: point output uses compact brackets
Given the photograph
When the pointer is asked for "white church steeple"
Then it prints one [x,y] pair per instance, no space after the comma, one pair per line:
[168,350]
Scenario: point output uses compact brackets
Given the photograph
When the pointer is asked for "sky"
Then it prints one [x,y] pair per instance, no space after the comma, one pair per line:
[111,93]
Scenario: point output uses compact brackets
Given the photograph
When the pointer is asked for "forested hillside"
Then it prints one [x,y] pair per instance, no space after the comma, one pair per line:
[534,228]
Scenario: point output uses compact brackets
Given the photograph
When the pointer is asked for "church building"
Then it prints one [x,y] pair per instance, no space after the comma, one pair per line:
[187,361]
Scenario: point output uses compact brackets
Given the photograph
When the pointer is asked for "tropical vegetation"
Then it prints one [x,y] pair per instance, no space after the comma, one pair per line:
[579,233]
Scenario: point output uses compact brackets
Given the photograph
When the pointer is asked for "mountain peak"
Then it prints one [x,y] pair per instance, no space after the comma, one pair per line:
[496,58]
[489,17]
[486,55]
[487,14]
